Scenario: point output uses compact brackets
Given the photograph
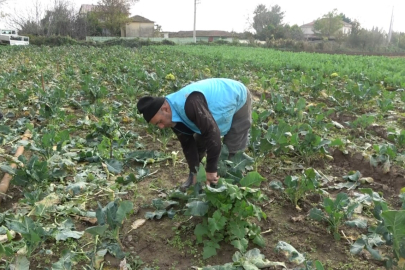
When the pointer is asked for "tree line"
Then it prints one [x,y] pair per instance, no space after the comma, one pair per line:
[268,25]
[107,17]
[60,18]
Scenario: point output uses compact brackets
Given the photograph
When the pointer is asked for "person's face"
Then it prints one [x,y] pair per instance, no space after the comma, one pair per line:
[163,118]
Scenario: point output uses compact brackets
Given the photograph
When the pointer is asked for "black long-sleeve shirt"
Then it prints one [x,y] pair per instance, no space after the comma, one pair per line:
[196,109]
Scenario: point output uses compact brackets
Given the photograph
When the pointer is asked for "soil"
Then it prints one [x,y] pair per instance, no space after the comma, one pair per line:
[170,244]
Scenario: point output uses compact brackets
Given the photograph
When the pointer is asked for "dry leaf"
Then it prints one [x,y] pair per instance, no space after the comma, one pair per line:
[4,237]
[323,93]
[123,264]
[401,262]
[387,167]
[137,223]
[99,258]
[50,200]
[92,220]
[298,219]
[126,119]
[338,125]
[364,180]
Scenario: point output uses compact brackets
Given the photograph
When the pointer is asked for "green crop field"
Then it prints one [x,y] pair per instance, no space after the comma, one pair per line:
[321,185]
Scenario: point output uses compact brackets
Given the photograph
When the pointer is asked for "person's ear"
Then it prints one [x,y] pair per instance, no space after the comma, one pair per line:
[165,107]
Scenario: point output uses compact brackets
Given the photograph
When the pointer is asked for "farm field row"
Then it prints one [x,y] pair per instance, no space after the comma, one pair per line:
[321,186]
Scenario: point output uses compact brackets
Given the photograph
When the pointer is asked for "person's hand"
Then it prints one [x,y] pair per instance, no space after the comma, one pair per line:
[212,178]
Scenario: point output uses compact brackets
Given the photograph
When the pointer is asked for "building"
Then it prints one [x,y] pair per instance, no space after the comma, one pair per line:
[84,9]
[203,35]
[309,33]
[138,26]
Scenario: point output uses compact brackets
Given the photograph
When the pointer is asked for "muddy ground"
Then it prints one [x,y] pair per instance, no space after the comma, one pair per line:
[170,243]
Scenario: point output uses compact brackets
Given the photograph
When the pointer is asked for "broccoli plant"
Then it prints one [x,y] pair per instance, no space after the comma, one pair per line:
[227,212]
[334,212]
[298,186]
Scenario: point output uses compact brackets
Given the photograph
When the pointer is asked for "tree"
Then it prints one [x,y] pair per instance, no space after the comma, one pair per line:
[28,22]
[2,15]
[329,24]
[264,17]
[157,31]
[59,20]
[345,18]
[113,14]
[294,32]
[354,37]
[398,39]
[87,25]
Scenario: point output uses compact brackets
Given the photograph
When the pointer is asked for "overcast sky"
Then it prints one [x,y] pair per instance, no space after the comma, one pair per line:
[234,15]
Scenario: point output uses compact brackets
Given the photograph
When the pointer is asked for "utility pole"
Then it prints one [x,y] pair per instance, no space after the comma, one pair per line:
[195,19]
[391,26]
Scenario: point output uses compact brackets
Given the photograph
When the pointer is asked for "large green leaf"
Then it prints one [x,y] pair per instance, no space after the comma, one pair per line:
[319,266]
[76,188]
[259,240]
[218,189]
[227,266]
[65,231]
[7,251]
[353,176]
[237,230]
[65,262]
[199,231]
[217,222]
[276,185]
[22,263]
[5,129]
[201,174]
[144,155]
[130,178]
[125,208]
[7,169]
[158,214]
[357,246]
[210,249]
[160,204]
[395,222]
[97,230]
[359,223]
[293,255]
[367,242]
[251,179]
[65,234]
[114,166]
[196,208]
[375,253]
[317,214]
[240,244]
[341,201]
[240,160]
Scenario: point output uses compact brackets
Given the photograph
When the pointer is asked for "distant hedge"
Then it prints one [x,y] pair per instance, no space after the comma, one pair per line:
[65,40]
[52,40]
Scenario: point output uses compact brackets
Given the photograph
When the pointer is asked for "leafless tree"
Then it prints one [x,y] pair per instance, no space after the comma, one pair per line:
[56,19]
[2,14]
[59,19]
[28,21]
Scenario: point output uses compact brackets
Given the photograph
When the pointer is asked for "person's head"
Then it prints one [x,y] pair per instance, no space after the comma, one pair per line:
[156,111]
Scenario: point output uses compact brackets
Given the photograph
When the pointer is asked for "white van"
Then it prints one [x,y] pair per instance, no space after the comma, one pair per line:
[11,37]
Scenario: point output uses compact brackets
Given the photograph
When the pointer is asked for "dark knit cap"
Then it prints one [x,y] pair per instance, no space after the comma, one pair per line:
[149,106]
